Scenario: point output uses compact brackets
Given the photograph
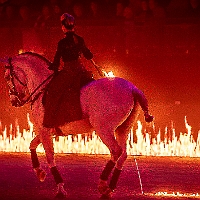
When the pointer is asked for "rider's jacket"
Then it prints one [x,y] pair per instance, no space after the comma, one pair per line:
[70,49]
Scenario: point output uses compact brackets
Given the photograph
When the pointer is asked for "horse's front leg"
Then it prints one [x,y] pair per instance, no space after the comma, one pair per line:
[47,142]
[40,173]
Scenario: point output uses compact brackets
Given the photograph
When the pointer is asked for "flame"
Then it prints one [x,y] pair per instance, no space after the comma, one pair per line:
[176,194]
[109,74]
[184,146]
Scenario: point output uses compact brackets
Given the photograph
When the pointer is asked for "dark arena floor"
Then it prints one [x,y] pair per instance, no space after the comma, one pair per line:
[161,177]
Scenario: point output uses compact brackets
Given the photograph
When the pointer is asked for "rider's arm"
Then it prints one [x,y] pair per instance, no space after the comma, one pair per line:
[89,56]
[56,61]
[84,49]
[98,68]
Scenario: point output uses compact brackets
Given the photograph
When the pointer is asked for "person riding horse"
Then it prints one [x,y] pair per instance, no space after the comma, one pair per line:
[62,98]
[63,93]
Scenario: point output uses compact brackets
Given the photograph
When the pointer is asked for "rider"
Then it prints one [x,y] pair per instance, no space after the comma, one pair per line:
[70,79]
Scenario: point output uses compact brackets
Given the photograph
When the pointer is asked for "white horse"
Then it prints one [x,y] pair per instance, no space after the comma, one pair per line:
[110,106]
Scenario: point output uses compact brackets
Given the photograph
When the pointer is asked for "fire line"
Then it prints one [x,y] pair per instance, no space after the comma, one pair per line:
[185,146]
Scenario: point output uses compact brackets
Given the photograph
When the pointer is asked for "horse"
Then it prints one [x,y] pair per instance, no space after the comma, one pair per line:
[110,106]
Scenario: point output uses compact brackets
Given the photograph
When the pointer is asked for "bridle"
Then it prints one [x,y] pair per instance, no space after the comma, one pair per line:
[19,97]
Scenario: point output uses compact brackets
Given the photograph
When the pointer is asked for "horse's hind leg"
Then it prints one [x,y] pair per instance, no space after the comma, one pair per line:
[107,137]
[40,173]
[107,190]
[121,136]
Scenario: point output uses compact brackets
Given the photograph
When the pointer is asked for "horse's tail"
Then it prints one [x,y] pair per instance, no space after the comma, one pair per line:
[139,97]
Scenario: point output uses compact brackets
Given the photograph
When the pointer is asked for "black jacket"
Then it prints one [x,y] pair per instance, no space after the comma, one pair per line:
[69,49]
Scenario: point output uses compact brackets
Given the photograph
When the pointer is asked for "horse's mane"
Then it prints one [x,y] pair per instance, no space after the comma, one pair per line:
[37,55]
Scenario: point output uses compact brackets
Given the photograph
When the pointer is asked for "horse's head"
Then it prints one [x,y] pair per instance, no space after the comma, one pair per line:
[17,83]
[27,75]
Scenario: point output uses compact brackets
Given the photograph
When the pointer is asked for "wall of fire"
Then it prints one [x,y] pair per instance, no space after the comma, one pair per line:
[161,60]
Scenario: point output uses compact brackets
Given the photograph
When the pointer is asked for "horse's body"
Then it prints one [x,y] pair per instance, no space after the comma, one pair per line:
[108,104]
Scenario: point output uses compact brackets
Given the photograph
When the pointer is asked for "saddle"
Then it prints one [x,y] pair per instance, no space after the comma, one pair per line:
[61,99]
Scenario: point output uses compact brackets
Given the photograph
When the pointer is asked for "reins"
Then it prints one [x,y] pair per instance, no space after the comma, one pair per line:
[28,100]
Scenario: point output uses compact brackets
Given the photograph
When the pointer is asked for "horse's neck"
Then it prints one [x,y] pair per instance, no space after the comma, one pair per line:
[36,75]
[37,80]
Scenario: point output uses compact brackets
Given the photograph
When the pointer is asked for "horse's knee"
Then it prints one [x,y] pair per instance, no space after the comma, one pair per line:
[121,160]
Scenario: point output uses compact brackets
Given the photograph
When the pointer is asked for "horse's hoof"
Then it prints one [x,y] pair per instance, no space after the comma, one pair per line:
[102,187]
[60,195]
[41,174]
[107,194]
[104,196]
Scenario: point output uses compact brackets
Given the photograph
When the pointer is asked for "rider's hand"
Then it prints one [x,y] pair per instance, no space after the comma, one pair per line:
[53,67]
[99,69]
[101,72]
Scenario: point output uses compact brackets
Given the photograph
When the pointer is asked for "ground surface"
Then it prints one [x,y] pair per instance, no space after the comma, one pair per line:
[81,174]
